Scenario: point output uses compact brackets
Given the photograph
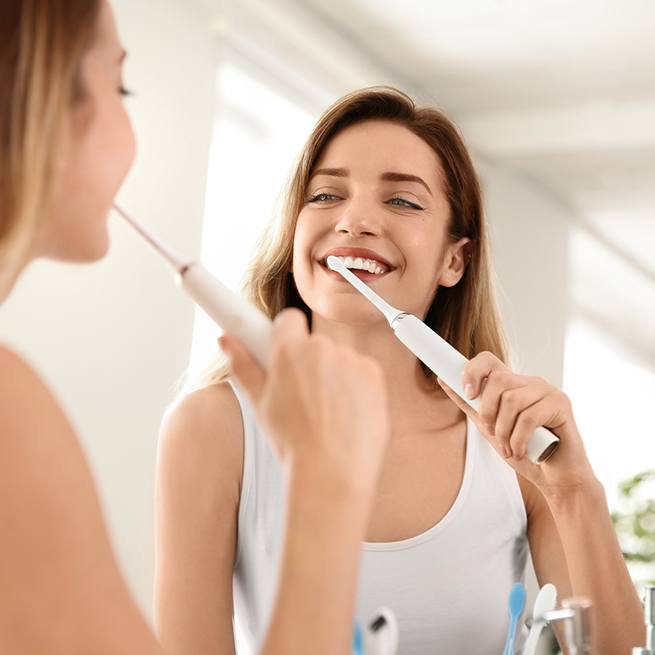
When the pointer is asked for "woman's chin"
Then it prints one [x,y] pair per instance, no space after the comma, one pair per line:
[357,312]
[99,251]
[81,252]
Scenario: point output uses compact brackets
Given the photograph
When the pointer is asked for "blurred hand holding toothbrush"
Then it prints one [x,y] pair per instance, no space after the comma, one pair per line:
[312,404]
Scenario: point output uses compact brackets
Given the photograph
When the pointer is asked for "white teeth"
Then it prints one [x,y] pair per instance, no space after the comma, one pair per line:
[360,263]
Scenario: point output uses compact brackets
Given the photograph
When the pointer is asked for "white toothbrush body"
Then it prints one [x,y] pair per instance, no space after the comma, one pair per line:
[229,310]
[438,355]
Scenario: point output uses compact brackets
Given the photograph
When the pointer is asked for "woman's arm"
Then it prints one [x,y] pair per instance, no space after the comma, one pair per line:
[199,471]
[512,406]
[580,521]
[61,590]
[315,600]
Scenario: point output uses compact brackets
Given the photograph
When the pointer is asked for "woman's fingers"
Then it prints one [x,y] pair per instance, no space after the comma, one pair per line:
[475,372]
[290,324]
[497,384]
[245,368]
[512,402]
[547,411]
[465,407]
[475,417]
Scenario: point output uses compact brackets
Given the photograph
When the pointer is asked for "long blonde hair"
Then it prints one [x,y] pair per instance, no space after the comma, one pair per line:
[42,43]
[465,315]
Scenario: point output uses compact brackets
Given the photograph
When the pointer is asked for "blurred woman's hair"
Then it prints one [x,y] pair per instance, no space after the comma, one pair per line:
[465,315]
[42,43]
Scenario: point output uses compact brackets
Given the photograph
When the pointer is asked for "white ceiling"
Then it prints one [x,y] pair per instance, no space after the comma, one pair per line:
[500,55]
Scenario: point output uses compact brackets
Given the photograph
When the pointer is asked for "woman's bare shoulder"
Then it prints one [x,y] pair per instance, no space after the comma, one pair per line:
[211,415]
[57,543]
[14,369]
[202,432]
[28,408]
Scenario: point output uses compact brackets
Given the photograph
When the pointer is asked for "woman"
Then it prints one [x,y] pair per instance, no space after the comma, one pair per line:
[66,144]
[458,504]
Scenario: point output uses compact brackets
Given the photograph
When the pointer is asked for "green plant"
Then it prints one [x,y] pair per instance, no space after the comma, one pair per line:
[635,521]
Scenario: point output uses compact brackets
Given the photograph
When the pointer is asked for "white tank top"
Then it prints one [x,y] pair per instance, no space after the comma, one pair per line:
[447,586]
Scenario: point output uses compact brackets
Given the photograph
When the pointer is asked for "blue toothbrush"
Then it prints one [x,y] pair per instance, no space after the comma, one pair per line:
[358,641]
[516,606]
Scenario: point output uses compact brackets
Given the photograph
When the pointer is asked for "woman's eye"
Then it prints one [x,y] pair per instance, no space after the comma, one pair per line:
[401,202]
[125,92]
[322,197]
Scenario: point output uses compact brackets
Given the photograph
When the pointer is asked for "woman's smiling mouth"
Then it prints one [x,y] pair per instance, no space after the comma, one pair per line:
[366,269]
[365,263]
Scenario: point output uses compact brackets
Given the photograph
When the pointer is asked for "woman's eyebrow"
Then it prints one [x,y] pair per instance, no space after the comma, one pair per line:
[404,177]
[389,176]
[334,172]
[122,57]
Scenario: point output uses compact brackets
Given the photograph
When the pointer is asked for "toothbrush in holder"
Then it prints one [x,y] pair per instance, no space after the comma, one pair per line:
[437,354]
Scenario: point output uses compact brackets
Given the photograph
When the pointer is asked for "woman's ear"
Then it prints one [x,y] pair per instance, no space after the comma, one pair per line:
[456,259]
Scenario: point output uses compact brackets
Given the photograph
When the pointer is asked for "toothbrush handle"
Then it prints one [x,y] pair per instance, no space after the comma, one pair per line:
[229,310]
[530,647]
[509,650]
[448,363]
[511,632]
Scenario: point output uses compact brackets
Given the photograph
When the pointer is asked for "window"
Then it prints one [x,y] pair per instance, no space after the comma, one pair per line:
[258,134]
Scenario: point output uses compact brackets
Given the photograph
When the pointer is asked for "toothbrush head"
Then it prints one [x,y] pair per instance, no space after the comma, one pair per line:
[517,599]
[334,263]
[390,312]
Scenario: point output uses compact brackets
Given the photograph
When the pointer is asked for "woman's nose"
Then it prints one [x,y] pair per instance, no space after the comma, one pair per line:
[358,219]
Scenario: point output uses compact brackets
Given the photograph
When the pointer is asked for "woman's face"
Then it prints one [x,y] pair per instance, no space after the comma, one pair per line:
[99,152]
[376,186]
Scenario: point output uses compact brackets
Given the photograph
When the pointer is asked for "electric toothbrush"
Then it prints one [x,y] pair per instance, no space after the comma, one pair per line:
[228,309]
[437,354]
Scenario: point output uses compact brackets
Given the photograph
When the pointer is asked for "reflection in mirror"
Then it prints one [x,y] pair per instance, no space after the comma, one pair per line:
[557,120]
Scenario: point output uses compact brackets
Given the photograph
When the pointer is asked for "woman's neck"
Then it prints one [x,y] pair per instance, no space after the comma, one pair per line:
[413,399]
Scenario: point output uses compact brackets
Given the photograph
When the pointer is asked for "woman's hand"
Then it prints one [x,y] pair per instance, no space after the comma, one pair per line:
[322,405]
[512,406]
